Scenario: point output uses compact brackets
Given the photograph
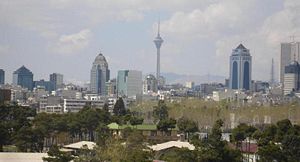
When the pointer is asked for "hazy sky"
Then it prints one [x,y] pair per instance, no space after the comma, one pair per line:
[66,35]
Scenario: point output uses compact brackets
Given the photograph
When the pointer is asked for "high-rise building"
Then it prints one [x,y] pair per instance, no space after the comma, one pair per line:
[289,52]
[129,83]
[158,42]
[57,80]
[48,85]
[2,76]
[291,78]
[240,68]
[99,75]
[23,77]
[111,87]
[190,84]
[149,84]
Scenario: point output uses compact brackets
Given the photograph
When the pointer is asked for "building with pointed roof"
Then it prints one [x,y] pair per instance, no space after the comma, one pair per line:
[99,75]
[240,68]
[23,77]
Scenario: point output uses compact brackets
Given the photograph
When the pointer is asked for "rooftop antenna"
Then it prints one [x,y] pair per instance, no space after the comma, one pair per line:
[158,26]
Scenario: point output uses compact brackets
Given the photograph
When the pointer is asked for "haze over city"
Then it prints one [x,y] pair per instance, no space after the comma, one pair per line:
[65,36]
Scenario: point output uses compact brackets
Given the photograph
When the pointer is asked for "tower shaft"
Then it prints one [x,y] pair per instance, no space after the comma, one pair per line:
[272,79]
[158,64]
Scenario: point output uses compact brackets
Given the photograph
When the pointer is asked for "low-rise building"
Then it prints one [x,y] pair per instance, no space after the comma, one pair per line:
[5,96]
[150,131]
[75,105]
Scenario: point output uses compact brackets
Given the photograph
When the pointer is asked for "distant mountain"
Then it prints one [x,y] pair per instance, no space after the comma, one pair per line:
[198,79]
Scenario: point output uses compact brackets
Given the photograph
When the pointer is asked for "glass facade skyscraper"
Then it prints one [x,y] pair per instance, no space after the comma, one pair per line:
[57,80]
[240,68]
[129,83]
[23,77]
[99,75]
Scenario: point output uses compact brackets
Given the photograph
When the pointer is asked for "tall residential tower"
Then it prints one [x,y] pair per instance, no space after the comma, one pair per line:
[99,75]
[240,68]
[158,42]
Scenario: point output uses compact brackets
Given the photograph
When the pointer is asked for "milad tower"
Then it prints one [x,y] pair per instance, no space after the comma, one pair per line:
[158,41]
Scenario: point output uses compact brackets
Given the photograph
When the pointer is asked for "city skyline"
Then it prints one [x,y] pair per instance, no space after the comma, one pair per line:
[199,36]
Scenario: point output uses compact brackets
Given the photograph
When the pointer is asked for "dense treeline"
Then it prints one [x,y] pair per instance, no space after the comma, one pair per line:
[31,132]
[20,126]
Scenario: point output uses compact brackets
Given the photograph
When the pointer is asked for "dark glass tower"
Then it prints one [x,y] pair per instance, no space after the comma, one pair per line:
[2,76]
[23,77]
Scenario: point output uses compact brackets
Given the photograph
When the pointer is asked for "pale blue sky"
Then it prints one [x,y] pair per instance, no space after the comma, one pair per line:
[65,36]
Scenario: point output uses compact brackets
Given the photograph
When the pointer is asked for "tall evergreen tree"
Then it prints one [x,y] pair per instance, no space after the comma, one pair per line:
[119,108]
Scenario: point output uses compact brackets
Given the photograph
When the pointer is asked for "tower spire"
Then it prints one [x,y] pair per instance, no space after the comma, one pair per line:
[158,27]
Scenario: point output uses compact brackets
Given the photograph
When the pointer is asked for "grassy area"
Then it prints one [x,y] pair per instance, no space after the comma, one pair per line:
[10,148]
[206,112]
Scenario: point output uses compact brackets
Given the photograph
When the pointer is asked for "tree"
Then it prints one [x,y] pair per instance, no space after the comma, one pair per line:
[105,107]
[89,121]
[270,152]
[241,132]
[166,124]
[136,121]
[179,155]
[214,149]
[103,134]
[13,118]
[119,108]
[284,127]
[280,142]
[187,126]
[4,135]
[291,147]
[135,149]
[160,111]
[55,155]
[132,150]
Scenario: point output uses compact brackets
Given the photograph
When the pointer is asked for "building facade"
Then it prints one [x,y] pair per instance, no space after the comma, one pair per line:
[5,96]
[99,75]
[111,87]
[289,52]
[23,77]
[48,85]
[291,79]
[240,68]
[149,84]
[129,83]
[57,80]
[2,76]
[75,105]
